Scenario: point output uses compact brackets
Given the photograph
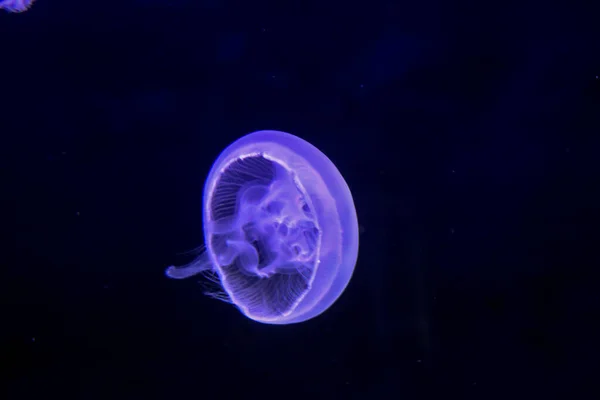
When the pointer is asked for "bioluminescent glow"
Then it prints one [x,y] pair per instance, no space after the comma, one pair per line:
[280,229]
[15,5]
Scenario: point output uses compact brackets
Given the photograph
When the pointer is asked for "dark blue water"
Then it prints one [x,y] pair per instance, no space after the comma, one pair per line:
[468,133]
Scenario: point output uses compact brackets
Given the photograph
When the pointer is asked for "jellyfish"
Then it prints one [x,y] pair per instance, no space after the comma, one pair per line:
[15,6]
[280,229]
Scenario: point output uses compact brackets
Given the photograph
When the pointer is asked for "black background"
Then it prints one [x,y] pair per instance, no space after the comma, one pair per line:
[467,131]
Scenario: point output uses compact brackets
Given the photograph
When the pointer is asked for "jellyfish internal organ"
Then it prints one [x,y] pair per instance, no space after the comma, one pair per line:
[15,5]
[280,228]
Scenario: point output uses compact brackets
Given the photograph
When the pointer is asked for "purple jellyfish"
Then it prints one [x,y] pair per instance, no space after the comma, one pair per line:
[15,5]
[280,229]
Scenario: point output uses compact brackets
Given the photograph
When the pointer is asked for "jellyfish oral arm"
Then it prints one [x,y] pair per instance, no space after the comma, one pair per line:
[246,254]
[200,264]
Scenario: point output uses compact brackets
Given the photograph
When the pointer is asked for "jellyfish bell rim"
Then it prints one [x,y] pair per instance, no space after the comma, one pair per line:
[266,143]
[16,6]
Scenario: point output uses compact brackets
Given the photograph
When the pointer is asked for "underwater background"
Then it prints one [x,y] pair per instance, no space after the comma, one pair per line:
[468,133]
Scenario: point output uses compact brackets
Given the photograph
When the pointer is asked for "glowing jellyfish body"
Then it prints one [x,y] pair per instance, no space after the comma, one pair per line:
[15,5]
[280,228]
